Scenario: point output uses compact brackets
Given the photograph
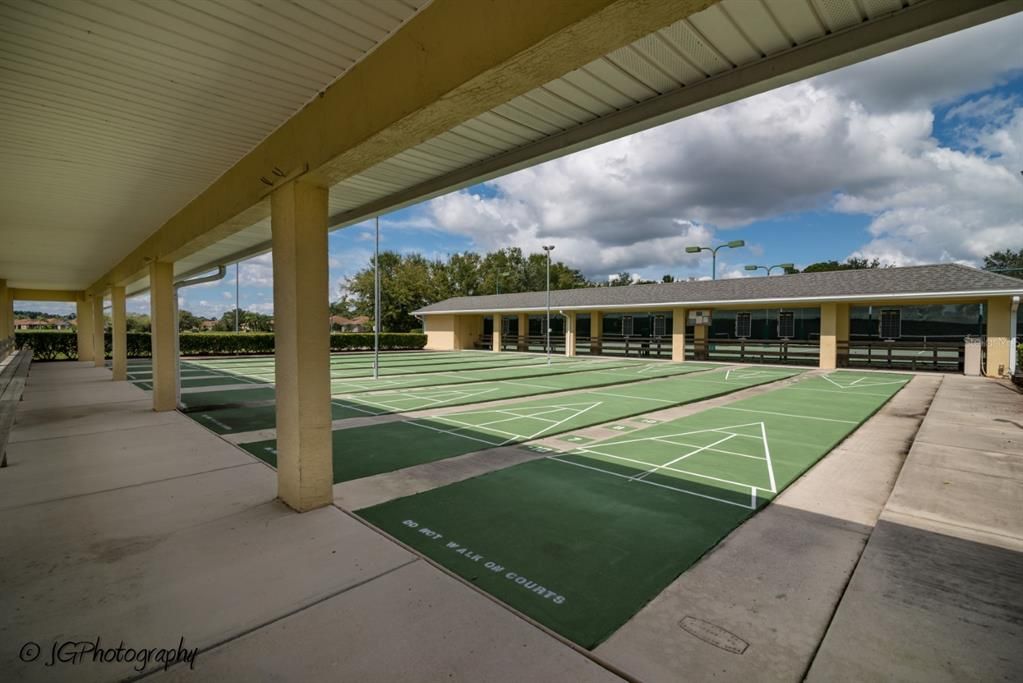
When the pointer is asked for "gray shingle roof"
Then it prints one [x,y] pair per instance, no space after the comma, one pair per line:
[876,283]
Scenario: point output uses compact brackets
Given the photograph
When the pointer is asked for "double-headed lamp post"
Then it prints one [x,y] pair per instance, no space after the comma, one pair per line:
[548,248]
[734,244]
[783,266]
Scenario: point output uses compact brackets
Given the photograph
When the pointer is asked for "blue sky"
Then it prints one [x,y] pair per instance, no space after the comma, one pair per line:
[913,157]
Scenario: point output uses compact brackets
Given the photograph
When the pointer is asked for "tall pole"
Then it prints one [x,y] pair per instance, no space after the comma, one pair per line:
[548,249]
[237,304]
[376,303]
[714,264]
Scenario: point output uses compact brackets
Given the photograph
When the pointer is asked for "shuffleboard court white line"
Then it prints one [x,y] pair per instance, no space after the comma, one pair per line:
[683,457]
[631,398]
[650,483]
[451,433]
[804,417]
[582,451]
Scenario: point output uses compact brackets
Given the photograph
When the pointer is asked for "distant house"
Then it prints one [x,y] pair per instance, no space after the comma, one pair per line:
[207,325]
[47,324]
[360,323]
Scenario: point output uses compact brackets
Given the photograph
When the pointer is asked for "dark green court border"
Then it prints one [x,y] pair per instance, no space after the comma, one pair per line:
[581,550]
[365,451]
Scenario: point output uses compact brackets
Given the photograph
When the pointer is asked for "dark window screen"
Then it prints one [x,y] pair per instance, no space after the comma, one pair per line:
[743,325]
[891,324]
[786,324]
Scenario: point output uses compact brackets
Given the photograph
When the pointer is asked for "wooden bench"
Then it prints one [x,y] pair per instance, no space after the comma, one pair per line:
[13,373]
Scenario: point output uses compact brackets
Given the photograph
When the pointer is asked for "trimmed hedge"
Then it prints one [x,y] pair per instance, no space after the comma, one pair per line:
[58,344]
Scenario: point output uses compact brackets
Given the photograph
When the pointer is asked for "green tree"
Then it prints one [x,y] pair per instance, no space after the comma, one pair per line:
[1007,262]
[188,322]
[850,264]
[137,322]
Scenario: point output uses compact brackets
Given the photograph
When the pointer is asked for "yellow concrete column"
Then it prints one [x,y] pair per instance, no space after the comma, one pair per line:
[596,330]
[842,335]
[163,319]
[119,333]
[829,336]
[4,314]
[523,331]
[570,334]
[999,335]
[98,341]
[498,321]
[701,335]
[305,469]
[678,335]
[83,307]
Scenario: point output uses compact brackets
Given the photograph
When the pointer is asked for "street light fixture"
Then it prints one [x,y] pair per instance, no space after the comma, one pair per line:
[734,244]
[548,248]
[783,266]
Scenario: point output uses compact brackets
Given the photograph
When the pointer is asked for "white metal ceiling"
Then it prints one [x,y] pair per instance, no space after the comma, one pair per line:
[723,38]
[118,113]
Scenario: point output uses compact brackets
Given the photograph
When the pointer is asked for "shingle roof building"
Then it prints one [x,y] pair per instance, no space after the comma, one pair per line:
[939,281]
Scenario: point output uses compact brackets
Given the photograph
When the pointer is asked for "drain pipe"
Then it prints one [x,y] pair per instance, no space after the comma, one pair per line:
[181,284]
[1013,322]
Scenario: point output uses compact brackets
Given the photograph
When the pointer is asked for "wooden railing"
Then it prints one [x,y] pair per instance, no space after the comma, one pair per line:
[946,356]
[757,351]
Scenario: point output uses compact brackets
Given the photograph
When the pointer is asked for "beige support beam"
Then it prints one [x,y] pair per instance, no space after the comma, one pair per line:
[164,323]
[678,335]
[829,336]
[523,344]
[98,324]
[119,334]
[8,306]
[701,335]
[570,334]
[498,321]
[446,65]
[305,470]
[999,335]
[83,308]
[45,295]
[596,331]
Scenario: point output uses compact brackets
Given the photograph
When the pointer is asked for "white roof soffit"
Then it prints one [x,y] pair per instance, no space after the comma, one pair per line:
[729,51]
[119,113]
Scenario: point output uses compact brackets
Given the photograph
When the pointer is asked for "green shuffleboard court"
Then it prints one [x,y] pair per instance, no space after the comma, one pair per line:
[366,451]
[237,418]
[580,541]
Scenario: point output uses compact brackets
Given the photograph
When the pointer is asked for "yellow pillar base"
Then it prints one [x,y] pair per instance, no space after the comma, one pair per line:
[678,335]
[496,341]
[83,308]
[98,338]
[305,468]
[523,332]
[829,337]
[570,335]
[163,318]
[119,334]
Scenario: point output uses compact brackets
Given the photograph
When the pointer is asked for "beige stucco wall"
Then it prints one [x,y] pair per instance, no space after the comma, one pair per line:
[999,334]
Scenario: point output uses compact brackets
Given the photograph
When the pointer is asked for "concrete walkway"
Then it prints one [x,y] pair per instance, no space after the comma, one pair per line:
[141,527]
[128,525]
[938,593]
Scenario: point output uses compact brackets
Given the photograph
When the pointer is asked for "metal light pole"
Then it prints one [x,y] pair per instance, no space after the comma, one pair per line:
[376,303]
[783,266]
[548,248]
[237,304]
[714,254]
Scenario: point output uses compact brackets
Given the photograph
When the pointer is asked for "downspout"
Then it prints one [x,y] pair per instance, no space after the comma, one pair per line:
[181,284]
[1013,323]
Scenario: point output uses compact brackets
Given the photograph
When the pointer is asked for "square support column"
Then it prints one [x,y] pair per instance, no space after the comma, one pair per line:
[164,321]
[498,321]
[4,315]
[596,331]
[829,337]
[523,332]
[999,336]
[842,335]
[119,334]
[701,347]
[678,335]
[570,334]
[99,346]
[83,309]
[305,469]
